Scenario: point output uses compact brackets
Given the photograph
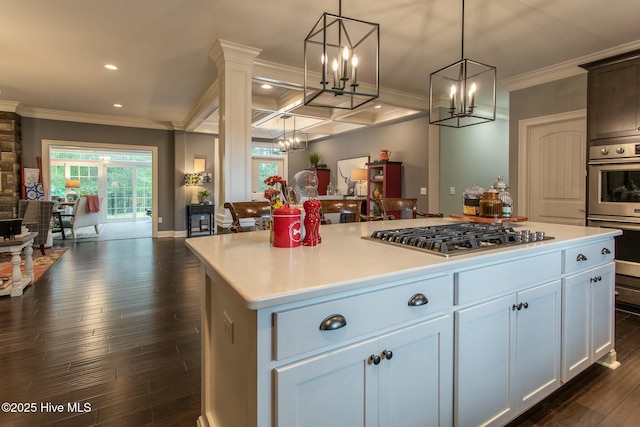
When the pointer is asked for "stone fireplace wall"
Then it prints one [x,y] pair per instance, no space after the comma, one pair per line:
[10,151]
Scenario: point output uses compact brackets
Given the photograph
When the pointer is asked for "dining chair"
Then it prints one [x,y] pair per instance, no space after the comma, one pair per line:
[349,210]
[403,208]
[242,210]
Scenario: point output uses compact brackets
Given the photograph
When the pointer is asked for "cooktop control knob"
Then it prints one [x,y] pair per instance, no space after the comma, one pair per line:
[604,151]
[620,150]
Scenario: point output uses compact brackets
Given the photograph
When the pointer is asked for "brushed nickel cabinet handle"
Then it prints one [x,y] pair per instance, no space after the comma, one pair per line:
[418,300]
[605,251]
[581,257]
[333,322]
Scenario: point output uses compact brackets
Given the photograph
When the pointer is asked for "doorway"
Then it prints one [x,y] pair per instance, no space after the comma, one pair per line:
[552,168]
[124,177]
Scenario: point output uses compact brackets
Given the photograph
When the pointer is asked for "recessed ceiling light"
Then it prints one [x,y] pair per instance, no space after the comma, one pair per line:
[378,106]
[117,105]
[110,67]
[266,86]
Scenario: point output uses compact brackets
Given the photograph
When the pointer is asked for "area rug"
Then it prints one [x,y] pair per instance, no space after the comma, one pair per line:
[40,262]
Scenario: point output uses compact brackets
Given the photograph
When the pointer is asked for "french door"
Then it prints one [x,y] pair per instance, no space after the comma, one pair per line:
[128,191]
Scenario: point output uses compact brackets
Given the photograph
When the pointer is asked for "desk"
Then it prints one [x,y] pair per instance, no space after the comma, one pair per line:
[15,247]
[203,211]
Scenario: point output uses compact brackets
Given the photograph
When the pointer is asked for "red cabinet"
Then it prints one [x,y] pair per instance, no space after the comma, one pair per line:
[324,175]
[385,180]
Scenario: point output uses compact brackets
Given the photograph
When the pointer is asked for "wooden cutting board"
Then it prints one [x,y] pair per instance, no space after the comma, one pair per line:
[483,220]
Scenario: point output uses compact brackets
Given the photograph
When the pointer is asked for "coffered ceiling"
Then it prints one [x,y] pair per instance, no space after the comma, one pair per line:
[52,54]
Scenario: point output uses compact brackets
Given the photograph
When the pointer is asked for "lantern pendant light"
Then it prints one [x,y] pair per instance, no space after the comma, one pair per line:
[463,93]
[341,62]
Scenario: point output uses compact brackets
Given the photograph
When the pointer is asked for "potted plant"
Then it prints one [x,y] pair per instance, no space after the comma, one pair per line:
[314,159]
[203,196]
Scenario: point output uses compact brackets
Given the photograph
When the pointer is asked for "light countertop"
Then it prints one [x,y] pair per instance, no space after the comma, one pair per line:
[265,276]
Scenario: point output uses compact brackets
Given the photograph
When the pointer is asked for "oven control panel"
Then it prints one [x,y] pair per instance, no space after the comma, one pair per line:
[614,151]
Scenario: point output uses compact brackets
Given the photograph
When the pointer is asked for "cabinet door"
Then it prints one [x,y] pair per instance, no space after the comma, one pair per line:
[576,320]
[602,310]
[484,347]
[416,383]
[332,389]
[614,97]
[538,343]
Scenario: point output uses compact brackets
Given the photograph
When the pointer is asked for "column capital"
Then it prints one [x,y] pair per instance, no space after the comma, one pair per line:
[223,51]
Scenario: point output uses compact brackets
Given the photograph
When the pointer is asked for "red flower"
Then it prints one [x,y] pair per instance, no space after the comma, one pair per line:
[275,179]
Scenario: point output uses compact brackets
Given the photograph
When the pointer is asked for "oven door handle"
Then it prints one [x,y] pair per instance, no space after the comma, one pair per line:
[617,223]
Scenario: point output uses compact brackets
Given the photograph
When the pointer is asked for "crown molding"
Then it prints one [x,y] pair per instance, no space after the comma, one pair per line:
[564,69]
[68,116]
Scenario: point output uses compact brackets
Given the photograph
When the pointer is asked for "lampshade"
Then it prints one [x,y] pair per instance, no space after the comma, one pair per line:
[194,178]
[198,165]
[72,183]
[341,62]
[463,93]
[358,174]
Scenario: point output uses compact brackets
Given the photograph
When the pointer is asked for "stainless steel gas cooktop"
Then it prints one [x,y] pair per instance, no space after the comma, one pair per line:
[456,239]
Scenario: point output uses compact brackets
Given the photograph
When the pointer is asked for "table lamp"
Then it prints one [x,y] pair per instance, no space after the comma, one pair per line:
[193,179]
[359,175]
[70,185]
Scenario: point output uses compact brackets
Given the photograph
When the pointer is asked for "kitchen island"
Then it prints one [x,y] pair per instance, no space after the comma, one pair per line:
[354,332]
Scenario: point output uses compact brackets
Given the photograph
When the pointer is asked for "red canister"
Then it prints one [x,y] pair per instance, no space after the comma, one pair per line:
[286,227]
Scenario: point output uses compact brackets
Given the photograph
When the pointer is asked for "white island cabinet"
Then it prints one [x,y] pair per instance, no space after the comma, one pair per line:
[518,334]
[588,303]
[358,333]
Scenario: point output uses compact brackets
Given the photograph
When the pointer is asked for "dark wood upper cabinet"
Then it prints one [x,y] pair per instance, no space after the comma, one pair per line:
[613,97]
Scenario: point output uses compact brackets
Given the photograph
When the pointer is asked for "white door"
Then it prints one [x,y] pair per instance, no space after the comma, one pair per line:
[602,306]
[264,167]
[538,349]
[552,180]
[334,389]
[415,383]
[484,348]
[576,325]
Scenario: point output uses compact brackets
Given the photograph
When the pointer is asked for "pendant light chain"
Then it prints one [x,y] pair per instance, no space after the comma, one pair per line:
[462,44]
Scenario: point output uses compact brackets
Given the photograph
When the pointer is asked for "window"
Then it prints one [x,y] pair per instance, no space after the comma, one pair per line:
[267,160]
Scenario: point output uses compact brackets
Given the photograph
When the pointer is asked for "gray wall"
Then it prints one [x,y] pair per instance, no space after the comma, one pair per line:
[471,155]
[407,140]
[35,130]
[560,96]
[187,147]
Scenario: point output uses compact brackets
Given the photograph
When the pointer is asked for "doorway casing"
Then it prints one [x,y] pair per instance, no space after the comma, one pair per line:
[46,150]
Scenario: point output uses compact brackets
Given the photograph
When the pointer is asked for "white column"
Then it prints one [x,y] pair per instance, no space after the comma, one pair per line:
[233,171]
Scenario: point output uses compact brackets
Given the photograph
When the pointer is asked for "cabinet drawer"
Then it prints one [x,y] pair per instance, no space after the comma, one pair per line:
[201,209]
[485,282]
[587,256]
[298,330]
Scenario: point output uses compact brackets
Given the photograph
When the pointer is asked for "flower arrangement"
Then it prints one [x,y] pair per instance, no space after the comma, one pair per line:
[194,178]
[277,198]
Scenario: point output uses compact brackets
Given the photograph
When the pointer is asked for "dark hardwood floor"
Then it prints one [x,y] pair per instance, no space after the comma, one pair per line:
[116,324]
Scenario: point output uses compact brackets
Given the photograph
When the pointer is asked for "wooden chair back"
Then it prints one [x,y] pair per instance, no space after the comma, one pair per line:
[403,208]
[240,210]
[349,209]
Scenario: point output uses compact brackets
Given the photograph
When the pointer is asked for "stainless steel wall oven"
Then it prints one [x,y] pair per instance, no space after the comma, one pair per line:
[614,201]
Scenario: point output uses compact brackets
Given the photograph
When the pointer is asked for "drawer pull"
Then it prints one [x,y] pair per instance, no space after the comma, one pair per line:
[387,354]
[333,322]
[375,359]
[417,300]
[605,251]
[581,257]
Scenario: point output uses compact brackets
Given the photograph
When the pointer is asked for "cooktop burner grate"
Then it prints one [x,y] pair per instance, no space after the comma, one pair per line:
[456,239]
